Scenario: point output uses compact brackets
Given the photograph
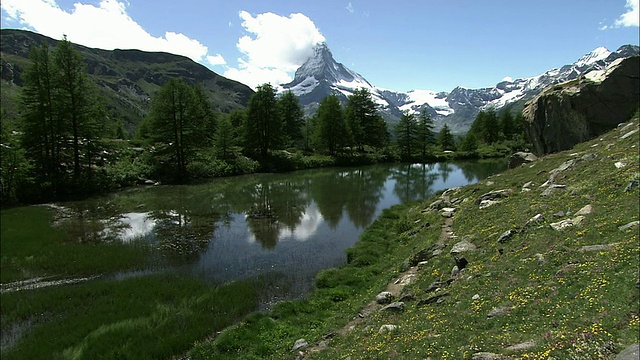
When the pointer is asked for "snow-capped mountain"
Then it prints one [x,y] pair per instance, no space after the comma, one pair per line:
[321,76]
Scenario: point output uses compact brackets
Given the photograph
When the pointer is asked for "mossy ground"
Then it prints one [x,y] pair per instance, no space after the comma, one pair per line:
[570,304]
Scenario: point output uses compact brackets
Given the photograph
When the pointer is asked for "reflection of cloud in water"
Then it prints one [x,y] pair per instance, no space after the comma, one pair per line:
[311,219]
[131,226]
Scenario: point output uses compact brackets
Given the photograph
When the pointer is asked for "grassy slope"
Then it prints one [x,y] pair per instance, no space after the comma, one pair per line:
[571,304]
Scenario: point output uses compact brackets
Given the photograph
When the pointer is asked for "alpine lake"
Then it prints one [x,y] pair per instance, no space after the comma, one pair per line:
[276,231]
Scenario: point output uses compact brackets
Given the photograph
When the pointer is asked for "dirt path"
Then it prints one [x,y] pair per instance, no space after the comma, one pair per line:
[395,288]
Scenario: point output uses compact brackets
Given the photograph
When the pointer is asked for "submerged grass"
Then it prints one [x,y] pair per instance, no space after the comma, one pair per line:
[151,317]
[31,247]
[562,303]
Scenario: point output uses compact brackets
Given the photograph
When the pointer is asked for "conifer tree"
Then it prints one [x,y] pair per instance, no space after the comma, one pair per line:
[445,139]
[331,130]
[292,118]
[406,134]
[263,127]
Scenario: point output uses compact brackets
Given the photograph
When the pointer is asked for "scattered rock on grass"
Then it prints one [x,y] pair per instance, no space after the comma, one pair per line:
[300,344]
[631,225]
[387,328]
[396,306]
[384,297]
[494,195]
[499,311]
[632,185]
[587,209]
[488,356]
[522,346]
[434,299]
[506,236]
[561,225]
[462,246]
[605,247]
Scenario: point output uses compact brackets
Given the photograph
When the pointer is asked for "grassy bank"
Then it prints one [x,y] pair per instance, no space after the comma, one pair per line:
[538,293]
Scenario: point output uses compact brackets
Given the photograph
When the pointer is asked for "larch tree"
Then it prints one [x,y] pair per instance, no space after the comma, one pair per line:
[262,128]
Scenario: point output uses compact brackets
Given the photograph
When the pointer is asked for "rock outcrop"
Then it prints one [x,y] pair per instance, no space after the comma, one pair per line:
[572,112]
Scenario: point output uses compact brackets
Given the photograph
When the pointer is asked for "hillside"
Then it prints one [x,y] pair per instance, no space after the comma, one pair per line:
[126,78]
[538,262]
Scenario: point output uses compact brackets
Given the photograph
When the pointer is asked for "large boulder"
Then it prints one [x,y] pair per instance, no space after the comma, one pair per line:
[572,112]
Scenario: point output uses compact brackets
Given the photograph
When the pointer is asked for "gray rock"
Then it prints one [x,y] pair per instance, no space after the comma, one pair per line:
[387,328]
[506,236]
[522,346]
[486,203]
[552,188]
[540,259]
[571,113]
[438,204]
[561,225]
[300,344]
[631,225]
[455,271]
[527,186]
[632,185]
[534,220]
[462,246]
[628,134]
[586,210]
[494,195]
[605,247]
[396,306]
[520,158]
[630,353]
[433,299]
[499,311]
[384,297]
[488,356]
[559,214]
[448,212]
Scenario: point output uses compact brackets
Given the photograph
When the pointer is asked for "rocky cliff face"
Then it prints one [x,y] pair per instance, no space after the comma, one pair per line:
[572,112]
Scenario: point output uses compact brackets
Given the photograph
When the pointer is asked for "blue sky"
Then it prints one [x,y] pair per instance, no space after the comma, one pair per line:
[400,45]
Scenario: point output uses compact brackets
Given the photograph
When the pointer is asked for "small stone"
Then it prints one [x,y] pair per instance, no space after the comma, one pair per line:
[552,188]
[632,185]
[494,195]
[534,220]
[455,271]
[487,356]
[506,236]
[631,225]
[475,297]
[462,246]
[628,134]
[300,344]
[606,247]
[396,306]
[561,225]
[387,328]
[559,214]
[522,346]
[619,164]
[448,212]
[499,311]
[540,259]
[384,297]
[486,203]
[434,299]
[587,209]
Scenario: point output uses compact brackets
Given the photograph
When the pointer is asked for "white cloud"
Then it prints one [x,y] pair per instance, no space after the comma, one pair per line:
[275,47]
[105,26]
[350,7]
[507,78]
[631,17]
[216,59]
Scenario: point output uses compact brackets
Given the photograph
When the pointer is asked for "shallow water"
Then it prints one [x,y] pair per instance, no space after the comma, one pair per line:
[285,227]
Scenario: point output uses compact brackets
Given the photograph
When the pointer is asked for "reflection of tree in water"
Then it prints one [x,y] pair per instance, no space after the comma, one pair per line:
[185,223]
[481,169]
[363,190]
[273,205]
[89,221]
[329,196]
[413,182]
[445,169]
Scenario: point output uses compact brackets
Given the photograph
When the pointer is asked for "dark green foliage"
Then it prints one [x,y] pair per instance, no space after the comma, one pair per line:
[263,126]
[292,118]
[178,122]
[406,135]
[224,138]
[61,122]
[445,139]
[330,128]
[425,135]
[365,124]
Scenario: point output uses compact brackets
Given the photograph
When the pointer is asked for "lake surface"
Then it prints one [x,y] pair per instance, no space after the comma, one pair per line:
[285,227]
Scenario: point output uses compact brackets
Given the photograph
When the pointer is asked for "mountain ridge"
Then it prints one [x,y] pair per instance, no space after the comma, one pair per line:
[321,75]
[127,78]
